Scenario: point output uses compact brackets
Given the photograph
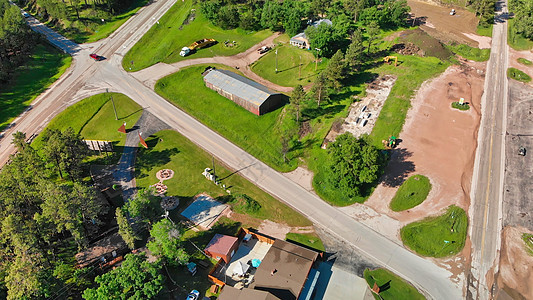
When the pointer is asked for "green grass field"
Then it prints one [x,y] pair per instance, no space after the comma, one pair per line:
[310,240]
[524,61]
[399,288]
[411,193]
[163,42]
[170,150]
[411,72]
[517,41]
[94,119]
[518,75]
[288,66]
[255,134]
[484,31]
[44,67]
[470,53]
[439,236]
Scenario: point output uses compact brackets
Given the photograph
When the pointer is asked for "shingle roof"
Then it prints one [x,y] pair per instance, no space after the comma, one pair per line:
[239,86]
[231,293]
[221,244]
[292,264]
[299,35]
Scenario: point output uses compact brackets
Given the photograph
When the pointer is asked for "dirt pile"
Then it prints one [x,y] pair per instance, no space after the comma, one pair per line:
[516,265]
[418,42]
[408,49]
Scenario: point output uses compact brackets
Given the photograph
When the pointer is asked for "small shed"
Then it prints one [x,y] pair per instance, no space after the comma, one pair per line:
[247,93]
[222,247]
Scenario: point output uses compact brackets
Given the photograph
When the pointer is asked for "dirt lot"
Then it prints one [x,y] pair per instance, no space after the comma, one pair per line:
[438,142]
[516,265]
[437,22]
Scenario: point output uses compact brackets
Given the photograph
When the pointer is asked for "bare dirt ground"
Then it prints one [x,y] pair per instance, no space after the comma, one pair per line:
[303,177]
[363,114]
[516,265]
[438,142]
[437,22]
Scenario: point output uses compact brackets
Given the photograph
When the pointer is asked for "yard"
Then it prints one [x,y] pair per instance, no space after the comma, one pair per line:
[170,150]
[44,67]
[93,118]
[180,27]
[399,288]
[289,59]
[411,193]
[439,236]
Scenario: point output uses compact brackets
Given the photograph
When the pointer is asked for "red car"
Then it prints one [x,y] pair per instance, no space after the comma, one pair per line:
[96,57]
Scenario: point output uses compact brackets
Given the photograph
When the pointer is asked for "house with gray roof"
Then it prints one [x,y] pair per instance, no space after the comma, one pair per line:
[247,93]
[300,40]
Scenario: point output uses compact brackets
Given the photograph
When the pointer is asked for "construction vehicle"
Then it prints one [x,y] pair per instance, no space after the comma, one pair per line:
[196,45]
[389,144]
[388,59]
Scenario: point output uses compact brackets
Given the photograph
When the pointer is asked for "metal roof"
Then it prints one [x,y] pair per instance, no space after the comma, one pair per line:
[239,86]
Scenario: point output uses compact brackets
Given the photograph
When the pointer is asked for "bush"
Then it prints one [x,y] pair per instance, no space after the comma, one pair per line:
[245,204]
[460,106]
[411,193]
[518,75]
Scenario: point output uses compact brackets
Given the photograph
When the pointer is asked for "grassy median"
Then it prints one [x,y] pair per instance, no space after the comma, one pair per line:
[411,193]
[439,236]
[398,289]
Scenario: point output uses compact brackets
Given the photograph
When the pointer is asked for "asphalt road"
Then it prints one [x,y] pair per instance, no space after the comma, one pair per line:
[487,182]
[88,77]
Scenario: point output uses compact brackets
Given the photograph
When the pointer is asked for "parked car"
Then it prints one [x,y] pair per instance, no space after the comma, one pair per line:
[193,295]
[96,57]
[25,14]
[263,49]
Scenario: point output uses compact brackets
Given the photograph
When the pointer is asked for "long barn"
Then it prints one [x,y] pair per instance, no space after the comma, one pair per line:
[249,94]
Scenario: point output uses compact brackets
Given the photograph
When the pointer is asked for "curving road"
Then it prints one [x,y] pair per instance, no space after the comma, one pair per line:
[87,77]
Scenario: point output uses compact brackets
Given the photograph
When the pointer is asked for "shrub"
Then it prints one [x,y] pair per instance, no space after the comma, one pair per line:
[245,204]
[460,106]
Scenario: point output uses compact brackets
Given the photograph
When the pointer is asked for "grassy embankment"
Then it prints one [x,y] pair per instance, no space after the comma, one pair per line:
[399,288]
[295,66]
[517,41]
[94,119]
[439,236]
[310,240]
[44,67]
[411,193]
[163,42]
[470,53]
[170,150]
[518,75]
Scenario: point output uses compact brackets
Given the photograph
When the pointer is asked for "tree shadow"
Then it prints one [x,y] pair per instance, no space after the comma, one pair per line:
[149,158]
[399,168]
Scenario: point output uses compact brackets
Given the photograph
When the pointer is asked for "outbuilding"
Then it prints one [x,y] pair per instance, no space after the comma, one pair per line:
[222,247]
[247,93]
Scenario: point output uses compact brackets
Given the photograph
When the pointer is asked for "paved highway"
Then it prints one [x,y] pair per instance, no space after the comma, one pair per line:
[88,77]
[487,182]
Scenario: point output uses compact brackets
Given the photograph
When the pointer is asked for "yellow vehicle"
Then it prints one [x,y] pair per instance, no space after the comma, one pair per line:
[196,45]
[388,59]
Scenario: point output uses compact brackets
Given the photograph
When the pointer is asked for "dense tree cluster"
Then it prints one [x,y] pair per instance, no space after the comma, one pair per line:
[16,40]
[292,16]
[353,163]
[523,17]
[39,215]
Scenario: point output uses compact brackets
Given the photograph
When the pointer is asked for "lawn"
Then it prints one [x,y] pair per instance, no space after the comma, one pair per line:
[470,53]
[517,41]
[411,193]
[439,236]
[412,72]
[170,150]
[288,62]
[399,288]
[94,119]
[163,42]
[518,75]
[44,67]
[309,240]
[484,31]
[255,134]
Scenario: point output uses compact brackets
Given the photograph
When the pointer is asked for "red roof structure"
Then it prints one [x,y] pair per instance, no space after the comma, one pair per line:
[222,247]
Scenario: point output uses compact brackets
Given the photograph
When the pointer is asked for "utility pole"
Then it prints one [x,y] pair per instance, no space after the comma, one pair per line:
[276,60]
[114,108]
[300,68]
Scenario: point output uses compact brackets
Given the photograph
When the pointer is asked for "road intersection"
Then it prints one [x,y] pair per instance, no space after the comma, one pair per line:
[87,77]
